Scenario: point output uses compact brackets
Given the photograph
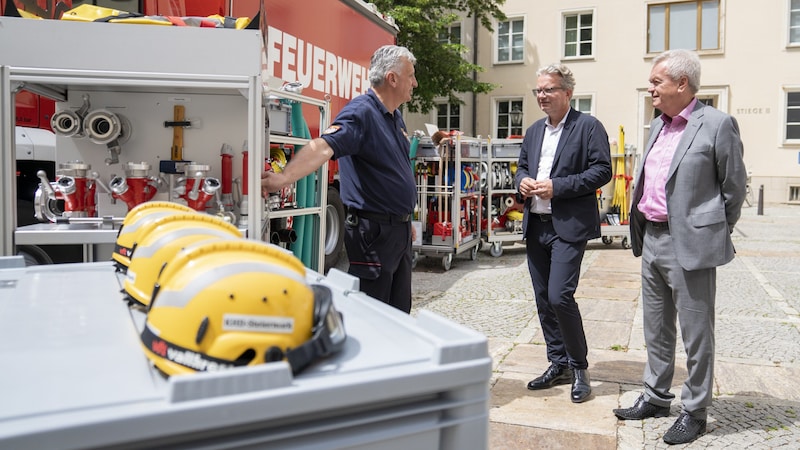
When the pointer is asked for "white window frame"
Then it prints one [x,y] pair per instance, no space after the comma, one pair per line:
[435,114]
[789,26]
[785,112]
[578,13]
[720,28]
[496,112]
[590,97]
[450,33]
[496,38]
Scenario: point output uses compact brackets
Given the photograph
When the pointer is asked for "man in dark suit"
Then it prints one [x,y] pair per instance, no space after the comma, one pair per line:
[687,198]
[565,158]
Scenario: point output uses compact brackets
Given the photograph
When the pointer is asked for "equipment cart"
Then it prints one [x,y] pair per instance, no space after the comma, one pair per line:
[503,212]
[616,209]
[448,186]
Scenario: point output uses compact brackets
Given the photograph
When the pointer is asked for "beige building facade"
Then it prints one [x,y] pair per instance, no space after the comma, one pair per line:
[750,53]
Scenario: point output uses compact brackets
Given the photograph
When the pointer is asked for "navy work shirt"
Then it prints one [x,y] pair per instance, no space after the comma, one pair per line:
[372,147]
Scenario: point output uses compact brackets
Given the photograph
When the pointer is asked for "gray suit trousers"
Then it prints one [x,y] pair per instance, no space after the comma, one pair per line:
[670,292]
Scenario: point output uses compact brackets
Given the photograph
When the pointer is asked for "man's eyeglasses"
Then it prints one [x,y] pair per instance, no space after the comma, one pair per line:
[546,91]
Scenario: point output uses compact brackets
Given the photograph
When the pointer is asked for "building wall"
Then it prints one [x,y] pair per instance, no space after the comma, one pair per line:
[748,77]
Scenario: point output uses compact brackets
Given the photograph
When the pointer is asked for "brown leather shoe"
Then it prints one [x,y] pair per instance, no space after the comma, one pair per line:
[554,375]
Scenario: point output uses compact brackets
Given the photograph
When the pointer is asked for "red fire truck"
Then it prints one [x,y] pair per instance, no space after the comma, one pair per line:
[325,45]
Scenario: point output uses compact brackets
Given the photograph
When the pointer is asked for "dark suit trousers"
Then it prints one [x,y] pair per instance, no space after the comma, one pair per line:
[555,267]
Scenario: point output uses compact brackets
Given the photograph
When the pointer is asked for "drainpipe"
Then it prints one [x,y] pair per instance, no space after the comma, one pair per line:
[474,74]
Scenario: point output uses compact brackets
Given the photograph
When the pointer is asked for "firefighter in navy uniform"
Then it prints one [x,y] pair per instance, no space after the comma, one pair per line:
[370,141]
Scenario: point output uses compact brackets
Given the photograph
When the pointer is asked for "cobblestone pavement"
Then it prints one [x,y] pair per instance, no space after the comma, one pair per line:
[757,398]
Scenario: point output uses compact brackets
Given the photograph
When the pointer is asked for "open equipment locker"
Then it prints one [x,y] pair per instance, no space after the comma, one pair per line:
[448,186]
[500,195]
[78,377]
[120,72]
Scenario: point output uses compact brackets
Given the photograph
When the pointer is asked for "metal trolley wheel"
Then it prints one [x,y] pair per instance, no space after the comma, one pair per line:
[447,261]
[608,240]
[626,244]
[473,254]
[414,260]
[496,249]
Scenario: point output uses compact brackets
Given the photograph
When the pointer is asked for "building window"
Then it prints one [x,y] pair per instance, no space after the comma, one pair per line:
[792,134]
[578,34]
[794,22]
[448,116]
[693,25]
[509,118]
[510,40]
[451,35]
[582,103]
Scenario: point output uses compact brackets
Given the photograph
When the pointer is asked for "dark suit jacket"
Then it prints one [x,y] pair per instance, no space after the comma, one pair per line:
[582,165]
[706,187]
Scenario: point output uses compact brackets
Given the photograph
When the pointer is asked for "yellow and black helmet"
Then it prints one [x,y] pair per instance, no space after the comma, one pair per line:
[229,303]
[136,218]
[160,240]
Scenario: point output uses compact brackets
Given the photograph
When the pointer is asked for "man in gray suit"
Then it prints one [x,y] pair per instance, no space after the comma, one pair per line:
[565,158]
[687,198]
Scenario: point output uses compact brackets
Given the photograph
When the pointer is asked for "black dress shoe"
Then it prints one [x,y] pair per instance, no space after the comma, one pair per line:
[685,430]
[642,409]
[554,375]
[581,389]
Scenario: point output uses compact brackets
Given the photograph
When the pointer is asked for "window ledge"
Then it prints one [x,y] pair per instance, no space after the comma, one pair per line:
[506,63]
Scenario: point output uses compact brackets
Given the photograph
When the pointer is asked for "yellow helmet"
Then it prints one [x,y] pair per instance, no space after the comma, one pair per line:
[224,304]
[134,220]
[160,240]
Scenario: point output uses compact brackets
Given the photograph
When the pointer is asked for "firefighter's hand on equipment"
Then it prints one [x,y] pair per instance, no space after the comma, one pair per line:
[308,159]
[440,137]
[272,182]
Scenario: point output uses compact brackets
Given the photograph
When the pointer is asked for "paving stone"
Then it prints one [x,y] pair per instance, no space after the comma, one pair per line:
[757,394]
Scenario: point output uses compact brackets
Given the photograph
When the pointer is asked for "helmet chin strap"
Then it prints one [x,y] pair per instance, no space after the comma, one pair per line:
[322,342]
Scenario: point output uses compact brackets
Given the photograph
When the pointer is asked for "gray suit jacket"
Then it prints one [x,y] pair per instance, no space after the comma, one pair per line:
[705,187]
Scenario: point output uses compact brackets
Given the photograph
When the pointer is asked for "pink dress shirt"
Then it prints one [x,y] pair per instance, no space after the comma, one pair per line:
[653,203]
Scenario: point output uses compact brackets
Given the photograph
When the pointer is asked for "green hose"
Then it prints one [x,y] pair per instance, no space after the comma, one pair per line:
[305,196]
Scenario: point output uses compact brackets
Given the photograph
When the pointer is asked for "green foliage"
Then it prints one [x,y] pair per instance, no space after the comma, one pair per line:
[442,69]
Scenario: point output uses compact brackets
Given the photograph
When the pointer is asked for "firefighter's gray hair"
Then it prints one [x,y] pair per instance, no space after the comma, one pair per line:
[386,59]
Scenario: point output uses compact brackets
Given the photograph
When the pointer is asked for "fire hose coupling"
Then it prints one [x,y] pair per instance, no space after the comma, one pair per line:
[104,127]
[283,235]
[44,184]
[118,185]
[66,185]
[211,185]
[69,122]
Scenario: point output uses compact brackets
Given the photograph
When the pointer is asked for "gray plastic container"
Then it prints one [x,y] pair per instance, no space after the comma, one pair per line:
[75,376]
